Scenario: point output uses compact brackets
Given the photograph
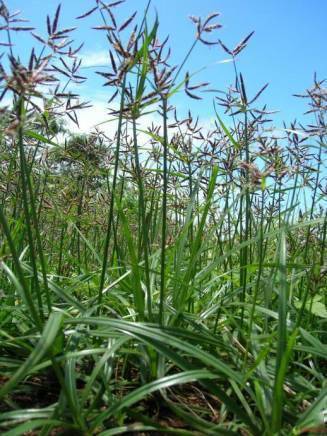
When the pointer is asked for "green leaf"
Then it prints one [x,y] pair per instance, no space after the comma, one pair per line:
[38,137]
[316,307]
[163,383]
[27,427]
[227,132]
[314,417]
[47,339]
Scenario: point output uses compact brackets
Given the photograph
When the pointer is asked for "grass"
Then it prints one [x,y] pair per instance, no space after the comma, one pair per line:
[169,279]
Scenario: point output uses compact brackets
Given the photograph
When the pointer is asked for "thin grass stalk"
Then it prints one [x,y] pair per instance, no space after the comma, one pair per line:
[112,197]
[282,336]
[259,275]
[116,249]
[304,296]
[190,185]
[28,296]
[10,173]
[33,210]
[323,248]
[164,212]
[78,222]
[26,207]
[244,256]
[61,248]
[153,212]
[144,225]
[39,209]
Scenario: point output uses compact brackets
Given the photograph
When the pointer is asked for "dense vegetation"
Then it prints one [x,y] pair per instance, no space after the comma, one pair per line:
[169,279]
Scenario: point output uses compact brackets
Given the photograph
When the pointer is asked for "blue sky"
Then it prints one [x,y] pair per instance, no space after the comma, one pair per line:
[287,48]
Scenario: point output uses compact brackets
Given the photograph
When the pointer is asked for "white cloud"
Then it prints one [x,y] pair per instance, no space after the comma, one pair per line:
[95,58]
[91,117]
[97,117]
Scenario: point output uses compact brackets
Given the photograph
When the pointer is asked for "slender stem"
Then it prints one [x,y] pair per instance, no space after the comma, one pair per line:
[164,211]
[144,225]
[112,197]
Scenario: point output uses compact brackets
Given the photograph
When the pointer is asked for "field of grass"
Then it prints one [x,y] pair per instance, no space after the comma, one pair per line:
[166,279]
